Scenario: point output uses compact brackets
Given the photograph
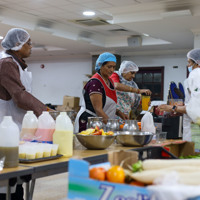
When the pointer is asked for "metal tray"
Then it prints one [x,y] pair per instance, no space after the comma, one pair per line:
[40,159]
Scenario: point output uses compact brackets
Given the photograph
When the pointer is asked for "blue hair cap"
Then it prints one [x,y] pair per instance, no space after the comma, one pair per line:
[104,57]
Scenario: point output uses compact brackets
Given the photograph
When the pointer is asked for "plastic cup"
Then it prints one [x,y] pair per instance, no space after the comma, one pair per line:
[39,151]
[161,137]
[22,151]
[54,149]
[30,152]
[47,150]
[158,127]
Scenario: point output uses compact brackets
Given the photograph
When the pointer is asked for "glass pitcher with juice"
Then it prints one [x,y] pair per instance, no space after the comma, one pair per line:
[145,102]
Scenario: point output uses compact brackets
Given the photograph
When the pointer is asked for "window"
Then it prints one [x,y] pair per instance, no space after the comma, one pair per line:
[151,78]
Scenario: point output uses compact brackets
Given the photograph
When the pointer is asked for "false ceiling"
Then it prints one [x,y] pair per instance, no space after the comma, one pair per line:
[58,28]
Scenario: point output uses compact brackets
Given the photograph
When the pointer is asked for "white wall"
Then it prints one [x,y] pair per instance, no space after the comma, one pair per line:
[59,78]
[66,77]
[170,73]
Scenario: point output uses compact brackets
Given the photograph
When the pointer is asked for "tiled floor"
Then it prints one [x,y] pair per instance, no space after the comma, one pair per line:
[51,187]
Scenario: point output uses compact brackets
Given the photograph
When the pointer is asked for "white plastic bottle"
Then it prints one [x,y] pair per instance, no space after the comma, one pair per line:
[9,142]
[46,128]
[29,126]
[63,135]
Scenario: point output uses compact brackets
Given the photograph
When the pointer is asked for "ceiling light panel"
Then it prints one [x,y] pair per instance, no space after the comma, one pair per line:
[177,13]
[89,13]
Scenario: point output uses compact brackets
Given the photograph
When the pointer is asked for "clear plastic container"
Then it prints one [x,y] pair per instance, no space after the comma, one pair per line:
[63,135]
[46,128]
[39,150]
[22,151]
[161,137]
[30,152]
[47,150]
[9,142]
[54,149]
[29,126]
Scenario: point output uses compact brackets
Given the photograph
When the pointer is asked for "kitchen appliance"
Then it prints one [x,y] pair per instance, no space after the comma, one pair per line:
[173,125]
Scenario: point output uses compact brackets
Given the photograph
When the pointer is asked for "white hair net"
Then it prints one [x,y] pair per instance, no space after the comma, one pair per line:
[194,55]
[15,39]
[104,57]
[128,66]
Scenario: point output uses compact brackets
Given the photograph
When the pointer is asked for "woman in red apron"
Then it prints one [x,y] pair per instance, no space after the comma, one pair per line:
[99,95]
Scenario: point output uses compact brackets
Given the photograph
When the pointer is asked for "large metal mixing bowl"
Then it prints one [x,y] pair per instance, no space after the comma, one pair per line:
[134,138]
[96,141]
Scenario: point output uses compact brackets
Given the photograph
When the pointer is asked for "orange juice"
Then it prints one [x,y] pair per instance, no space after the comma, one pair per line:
[145,102]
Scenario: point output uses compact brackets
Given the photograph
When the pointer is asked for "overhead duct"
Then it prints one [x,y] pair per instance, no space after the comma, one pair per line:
[44,25]
[85,36]
[134,41]
[90,22]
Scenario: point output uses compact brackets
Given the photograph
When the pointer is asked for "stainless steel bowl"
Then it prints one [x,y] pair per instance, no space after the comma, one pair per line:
[96,141]
[134,138]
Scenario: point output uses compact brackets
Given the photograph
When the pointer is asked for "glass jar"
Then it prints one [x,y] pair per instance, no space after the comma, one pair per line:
[130,125]
[95,121]
[112,125]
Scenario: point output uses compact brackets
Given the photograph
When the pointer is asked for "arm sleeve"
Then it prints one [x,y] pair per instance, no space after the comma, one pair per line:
[94,86]
[115,77]
[10,80]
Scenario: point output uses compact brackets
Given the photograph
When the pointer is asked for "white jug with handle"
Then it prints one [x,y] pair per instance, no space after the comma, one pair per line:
[63,135]
[46,128]
[9,142]
[29,126]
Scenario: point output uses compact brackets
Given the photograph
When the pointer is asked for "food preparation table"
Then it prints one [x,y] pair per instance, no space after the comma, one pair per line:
[28,173]
[9,177]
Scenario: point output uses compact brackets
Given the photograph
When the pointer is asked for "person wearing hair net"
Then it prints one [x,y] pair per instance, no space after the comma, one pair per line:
[128,93]
[15,84]
[99,94]
[192,90]
[15,80]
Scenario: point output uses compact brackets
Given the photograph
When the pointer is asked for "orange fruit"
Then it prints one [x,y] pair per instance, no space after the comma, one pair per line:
[139,125]
[121,126]
[115,174]
[98,173]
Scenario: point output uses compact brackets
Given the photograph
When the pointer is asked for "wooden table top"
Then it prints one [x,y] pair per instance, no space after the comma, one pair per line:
[7,173]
